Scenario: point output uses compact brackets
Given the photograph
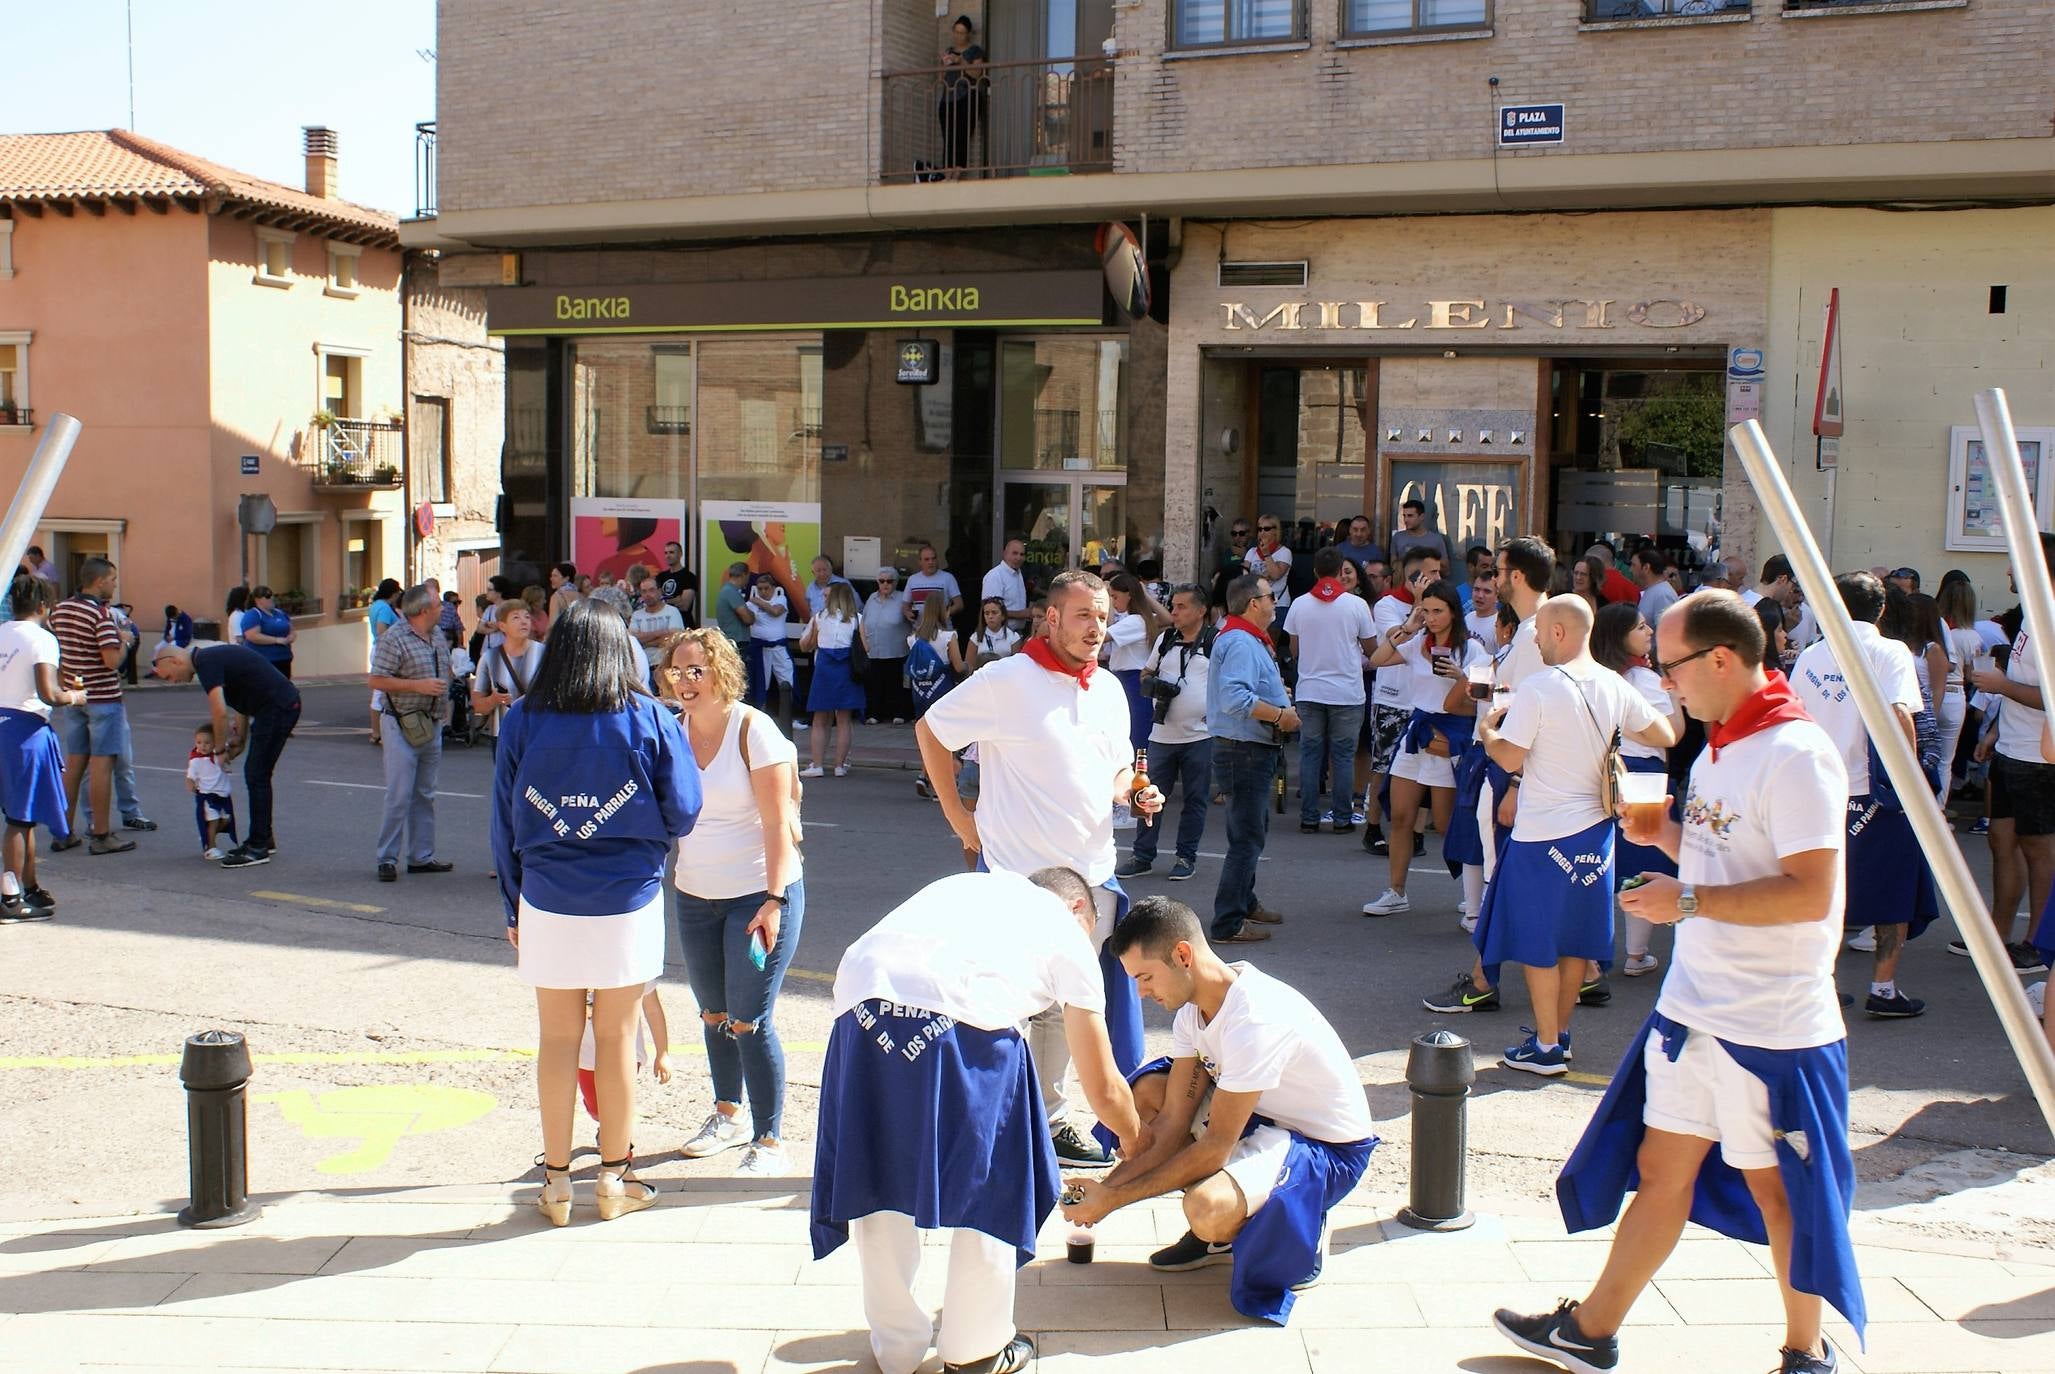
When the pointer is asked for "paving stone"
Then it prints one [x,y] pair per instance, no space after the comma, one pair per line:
[427,1259]
[1207,1308]
[742,1307]
[79,1290]
[1089,1309]
[1720,1302]
[350,1297]
[2016,1347]
[553,1349]
[1577,1262]
[1471,1304]
[827,1352]
[218,1252]
[156,1342]
[1269,1349]
[1987,1296]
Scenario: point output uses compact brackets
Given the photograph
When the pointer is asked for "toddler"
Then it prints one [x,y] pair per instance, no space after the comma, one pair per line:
[213,793]
[659,1038]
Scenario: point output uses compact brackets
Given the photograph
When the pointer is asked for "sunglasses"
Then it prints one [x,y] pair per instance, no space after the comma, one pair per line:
[694,673]
[1266,527]
[1670,669]
[1237,534]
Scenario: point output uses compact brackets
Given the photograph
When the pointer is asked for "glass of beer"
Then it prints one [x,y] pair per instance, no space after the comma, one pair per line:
[1477,672]
[1641,797]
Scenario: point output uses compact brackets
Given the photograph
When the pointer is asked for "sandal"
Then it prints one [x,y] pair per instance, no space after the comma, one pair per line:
[554,1201]
[618,1192]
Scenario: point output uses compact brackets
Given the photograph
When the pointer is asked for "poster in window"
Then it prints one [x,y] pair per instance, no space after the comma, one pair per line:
[1974,519]
[613,533]
[781,538]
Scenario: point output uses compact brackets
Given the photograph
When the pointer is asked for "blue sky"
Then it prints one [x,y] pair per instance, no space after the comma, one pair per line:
[233,82]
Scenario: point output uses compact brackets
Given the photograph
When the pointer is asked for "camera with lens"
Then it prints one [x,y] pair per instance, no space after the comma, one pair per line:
[1161,694]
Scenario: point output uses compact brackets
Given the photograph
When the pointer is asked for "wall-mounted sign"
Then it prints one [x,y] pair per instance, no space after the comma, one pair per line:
[1973,518]
[1520,126]
[834,453]
[1826,406]
[919,362]
[981,299]
[249,464]
[1474,313]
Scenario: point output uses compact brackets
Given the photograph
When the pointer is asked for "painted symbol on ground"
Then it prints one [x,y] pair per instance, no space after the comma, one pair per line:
[377,1116]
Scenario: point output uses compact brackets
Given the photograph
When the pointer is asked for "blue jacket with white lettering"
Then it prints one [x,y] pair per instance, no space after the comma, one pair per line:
[585,808]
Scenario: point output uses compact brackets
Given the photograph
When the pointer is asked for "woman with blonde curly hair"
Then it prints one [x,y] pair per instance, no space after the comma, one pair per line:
[741,903]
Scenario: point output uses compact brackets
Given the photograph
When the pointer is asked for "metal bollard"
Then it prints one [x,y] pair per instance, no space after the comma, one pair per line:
[216,1070]
[1439,1071]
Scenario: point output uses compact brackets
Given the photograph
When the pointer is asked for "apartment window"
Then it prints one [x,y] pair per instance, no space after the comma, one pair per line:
[363,557]
[274,257]
[1211,23]
[1373,18]
[6,249]
[288,559]
[342,270]
[1660,9]
[430,426]
[14,375]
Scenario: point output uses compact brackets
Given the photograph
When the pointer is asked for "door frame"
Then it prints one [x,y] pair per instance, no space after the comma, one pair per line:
[1074,508]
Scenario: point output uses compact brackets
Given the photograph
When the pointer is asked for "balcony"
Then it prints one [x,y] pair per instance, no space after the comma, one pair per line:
[357,455]
[1046,118]
[17,416]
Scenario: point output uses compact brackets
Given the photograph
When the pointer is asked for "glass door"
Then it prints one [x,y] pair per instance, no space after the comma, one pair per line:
[1039,512]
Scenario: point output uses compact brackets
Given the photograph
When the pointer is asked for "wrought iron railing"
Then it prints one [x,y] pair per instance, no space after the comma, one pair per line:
[424,170]
[1601,10]
[1006,119]
[16,415]
[360,453]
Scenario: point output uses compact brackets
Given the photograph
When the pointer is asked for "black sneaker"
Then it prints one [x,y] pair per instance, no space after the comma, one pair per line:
[1374,841]
[1805,1362]
[1959,947]
[1018,1355]
[1554,1336]
[1133,868]
[1344,827]
[1896,1007]
[39,900]
[14,910]
[1463,995]
[2025,957]
[1077,1150]
[1309,827]
[1192,1253]
[242,856]
[1419,845]
[138,823]
[1595,993]
[1182,869]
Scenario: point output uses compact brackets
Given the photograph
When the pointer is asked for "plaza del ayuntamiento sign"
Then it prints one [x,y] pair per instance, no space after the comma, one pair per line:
[971,300]
[1563,316]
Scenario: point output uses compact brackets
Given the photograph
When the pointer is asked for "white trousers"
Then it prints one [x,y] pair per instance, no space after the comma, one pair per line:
[1047,1044]
[977,1303]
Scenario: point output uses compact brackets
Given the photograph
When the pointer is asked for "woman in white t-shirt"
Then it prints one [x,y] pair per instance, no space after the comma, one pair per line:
[1621,640]
[31,759]
[1434,645]
[1133,627]
[741,903]
[995,639]
[834,694]
[507,668]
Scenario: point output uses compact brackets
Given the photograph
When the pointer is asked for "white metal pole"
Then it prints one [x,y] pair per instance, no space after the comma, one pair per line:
[33,495]
[1922,808]
[2016,505]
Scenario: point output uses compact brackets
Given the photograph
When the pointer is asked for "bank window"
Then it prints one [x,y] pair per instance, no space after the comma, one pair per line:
[274,257]
[758,417]
[1373,18]
[671,373]
[342,270]
[430,424]
[1600,10]
[1211,23]
[14,377]
[1060,405]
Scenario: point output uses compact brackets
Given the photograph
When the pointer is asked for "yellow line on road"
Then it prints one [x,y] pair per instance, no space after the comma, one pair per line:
[1596,1080]
[326,903]
[807,975]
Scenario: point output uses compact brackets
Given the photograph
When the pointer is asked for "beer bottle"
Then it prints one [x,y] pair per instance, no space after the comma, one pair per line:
[1141,783]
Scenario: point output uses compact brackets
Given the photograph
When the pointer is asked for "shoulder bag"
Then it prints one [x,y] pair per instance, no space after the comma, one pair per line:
[1612,769]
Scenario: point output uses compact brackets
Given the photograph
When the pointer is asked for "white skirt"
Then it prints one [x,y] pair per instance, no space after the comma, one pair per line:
[592,951]
[1429,770]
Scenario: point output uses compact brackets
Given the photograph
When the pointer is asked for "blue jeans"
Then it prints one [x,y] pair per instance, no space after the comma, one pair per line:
[1327,733]
[410,776]
[1190,768]
[713,932]
[1245,772]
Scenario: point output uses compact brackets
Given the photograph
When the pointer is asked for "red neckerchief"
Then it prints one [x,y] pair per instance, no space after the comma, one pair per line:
[1402,593]
[1235,622]
[1040,652]
[1641,661]
[1328,589]
[1773,705]
[1263,552]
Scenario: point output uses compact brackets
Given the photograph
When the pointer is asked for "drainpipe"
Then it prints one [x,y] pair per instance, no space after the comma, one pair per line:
[406,420]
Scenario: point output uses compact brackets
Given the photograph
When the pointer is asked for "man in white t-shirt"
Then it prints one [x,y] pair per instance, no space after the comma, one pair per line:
[1746,1049]
[1549,904]
[1482,621]
[1271,558]
[1257,1116]
[927,1118]
[1888,882]
[1052,736]
[1006,582]
[653,621]
[1391,694]
[2022,784]
[1330,632]
[1180,750]
[932,581]
[1780,585]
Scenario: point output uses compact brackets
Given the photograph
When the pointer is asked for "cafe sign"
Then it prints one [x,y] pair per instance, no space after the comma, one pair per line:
[973,299]
[1561,316]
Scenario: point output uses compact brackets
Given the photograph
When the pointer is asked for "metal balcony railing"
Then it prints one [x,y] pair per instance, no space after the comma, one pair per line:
[1046,118]
[16,415]
[359,453]
[1601,10]
[424,170]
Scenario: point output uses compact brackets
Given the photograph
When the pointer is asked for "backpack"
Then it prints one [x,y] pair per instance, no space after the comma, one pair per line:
[927,674]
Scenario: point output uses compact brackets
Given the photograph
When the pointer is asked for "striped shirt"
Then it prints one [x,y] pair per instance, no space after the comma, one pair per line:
[83,628]
[403,653]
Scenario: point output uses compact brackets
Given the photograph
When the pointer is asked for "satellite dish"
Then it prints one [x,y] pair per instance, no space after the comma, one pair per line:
[1127,276]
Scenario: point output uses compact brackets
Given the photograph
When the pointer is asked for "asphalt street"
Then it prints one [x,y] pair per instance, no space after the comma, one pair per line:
[393,1034]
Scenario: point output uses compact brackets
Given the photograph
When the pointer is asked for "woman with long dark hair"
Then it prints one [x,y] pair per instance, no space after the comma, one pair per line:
[1434,644]
[232,613]
[1621,640]
[593,784]
[1957,605]
[31,759]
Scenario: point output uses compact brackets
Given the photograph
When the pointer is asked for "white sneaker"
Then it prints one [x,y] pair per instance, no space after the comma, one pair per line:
[1327,818]
[764,1161]
[1469,924]
[813,770]
[798,725]
[716,1134]
[841,770]
[1865,941]
[1390,904]
[1638,964]
[215,853]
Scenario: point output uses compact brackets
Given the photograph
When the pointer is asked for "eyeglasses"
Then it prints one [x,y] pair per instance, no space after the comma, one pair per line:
[691,674]
[1670,669]
[1266,527]
[1264,596]
[1238,534]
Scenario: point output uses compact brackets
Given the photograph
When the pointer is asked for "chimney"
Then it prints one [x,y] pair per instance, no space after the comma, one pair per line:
[320,142]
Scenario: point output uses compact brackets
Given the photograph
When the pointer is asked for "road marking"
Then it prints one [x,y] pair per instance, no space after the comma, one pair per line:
[326,903]
[376,1116]
[807,975]
[158,768]
[380,787]
[1209,854]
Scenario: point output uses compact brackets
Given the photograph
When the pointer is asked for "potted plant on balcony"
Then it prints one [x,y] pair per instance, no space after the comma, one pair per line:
[385,474]
[322,419]
[8,414]
[296,602]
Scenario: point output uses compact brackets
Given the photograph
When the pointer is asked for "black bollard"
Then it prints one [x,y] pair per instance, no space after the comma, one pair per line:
[1440,1072]
[216,1071]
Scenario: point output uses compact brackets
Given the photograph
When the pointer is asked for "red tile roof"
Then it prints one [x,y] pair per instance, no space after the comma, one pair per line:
[116,164]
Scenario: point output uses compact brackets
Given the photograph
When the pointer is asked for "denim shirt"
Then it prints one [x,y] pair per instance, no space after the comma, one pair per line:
[1243,674]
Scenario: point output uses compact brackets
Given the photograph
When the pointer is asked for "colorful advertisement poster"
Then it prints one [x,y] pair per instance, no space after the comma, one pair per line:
[611,534]
[781,538]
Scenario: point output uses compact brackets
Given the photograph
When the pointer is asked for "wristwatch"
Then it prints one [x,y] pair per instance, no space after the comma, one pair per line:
[1687,901]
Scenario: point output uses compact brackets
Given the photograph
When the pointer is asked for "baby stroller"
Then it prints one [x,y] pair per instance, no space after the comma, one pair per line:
[464,724]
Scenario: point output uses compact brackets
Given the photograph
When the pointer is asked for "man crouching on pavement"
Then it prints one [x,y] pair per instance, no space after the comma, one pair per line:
[931,1117]
[1257,1115]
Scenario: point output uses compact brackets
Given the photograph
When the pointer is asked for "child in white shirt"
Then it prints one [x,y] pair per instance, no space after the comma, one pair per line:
[651,1031]
[213,792]
[767,599]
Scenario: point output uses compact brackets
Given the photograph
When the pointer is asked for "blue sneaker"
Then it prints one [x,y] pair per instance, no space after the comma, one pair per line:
[1529,1057]
[1564,1041]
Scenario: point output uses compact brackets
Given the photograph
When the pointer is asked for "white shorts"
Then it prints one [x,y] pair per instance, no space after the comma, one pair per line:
[777,662]
[592,951]
[1256,1159]
[1706,1094]
[1429,770]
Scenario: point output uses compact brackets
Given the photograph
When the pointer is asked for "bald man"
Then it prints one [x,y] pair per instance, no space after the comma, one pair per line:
[1549,905]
